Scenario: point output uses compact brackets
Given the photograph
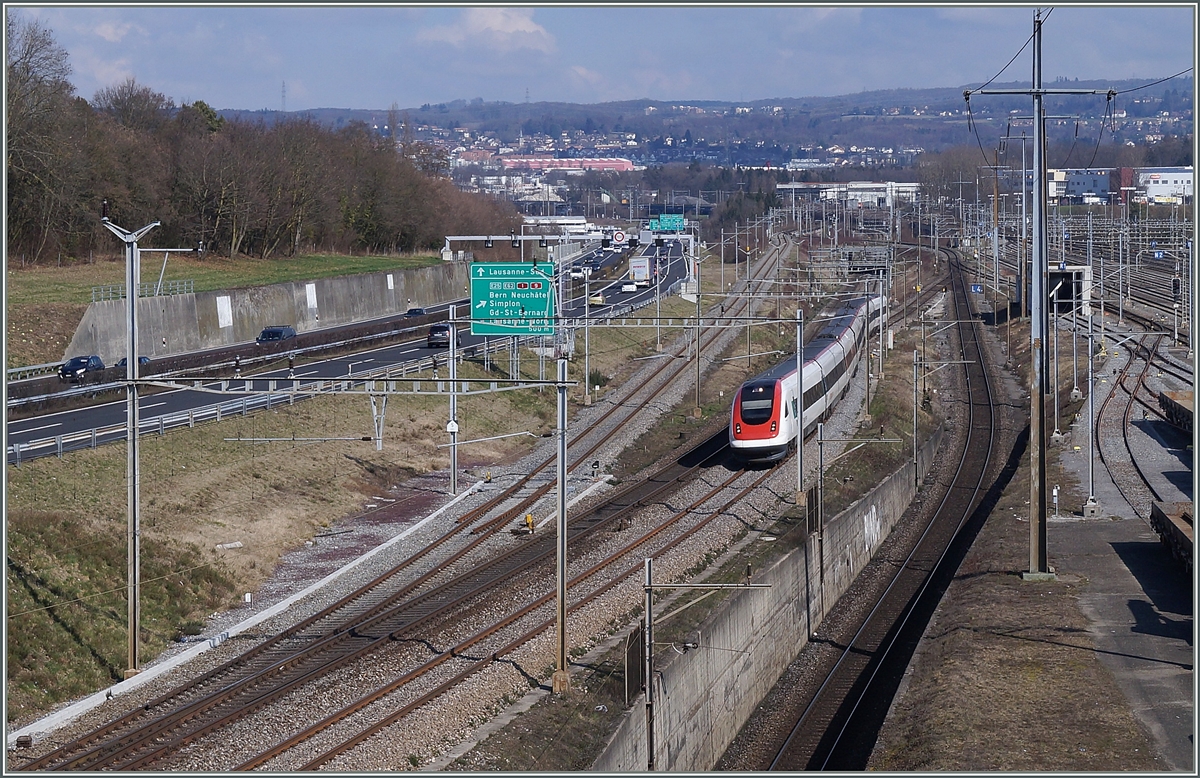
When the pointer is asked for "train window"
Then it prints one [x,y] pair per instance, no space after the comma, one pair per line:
[758,401]
[794,412]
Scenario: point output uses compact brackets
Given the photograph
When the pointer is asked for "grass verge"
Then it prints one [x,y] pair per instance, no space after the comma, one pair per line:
[44,304]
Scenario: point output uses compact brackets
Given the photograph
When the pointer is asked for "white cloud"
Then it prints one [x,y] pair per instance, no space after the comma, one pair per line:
[114,32]
[500,29]
[797,20]
[101,72]
[584,76]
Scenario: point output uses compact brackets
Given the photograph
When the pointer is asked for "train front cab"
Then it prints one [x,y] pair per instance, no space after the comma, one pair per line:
[757,431]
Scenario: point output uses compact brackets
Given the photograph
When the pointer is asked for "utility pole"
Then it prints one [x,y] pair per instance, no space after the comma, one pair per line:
[561,680]
[801,497]
[1039,314]
[648,644]
[133,279]
[452,425]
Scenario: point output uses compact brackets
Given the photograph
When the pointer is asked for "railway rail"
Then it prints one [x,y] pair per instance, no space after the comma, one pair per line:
[1114,418]
[395,608]
[849,704]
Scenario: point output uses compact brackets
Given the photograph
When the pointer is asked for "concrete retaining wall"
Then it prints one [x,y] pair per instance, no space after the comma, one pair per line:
[176,324]
[703,697]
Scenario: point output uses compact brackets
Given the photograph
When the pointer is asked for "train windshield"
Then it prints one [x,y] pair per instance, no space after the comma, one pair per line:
[758,400]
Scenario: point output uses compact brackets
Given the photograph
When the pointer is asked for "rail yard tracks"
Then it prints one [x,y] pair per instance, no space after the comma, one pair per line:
[410,615]
[839,721]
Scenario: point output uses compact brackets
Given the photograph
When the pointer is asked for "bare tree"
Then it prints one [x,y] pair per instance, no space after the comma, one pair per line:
[37,90]
[134,106]
[37,86]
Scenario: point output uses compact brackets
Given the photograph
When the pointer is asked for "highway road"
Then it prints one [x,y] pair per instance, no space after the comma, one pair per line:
[54,432]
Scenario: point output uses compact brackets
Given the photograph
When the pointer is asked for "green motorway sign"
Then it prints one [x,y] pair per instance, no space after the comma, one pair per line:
[670,222]
[512,298]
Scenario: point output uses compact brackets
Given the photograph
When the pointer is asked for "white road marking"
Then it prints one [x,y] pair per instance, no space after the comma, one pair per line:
[43,427]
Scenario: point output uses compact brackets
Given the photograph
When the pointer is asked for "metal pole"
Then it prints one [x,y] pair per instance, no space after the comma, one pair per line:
[1120,275]
[1021,280]
[995,227]
[883,308]
[132,424]
[749,309]
[1037,497]
[587,343]
[562,677]
[658,302]
[1074,348]
[1054,376]
[736,249]
[722,261]
[916,359]
[1091,500]
[801,497]
[453,425]
[697,413]
[866,358]
[648,637]
[133,463]
[821,507]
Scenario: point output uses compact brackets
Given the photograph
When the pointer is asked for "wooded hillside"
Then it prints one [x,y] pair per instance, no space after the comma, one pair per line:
[236,187]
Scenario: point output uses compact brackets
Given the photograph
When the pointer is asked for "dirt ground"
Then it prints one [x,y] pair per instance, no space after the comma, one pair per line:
[244,492]
[1006,677]
[40,334]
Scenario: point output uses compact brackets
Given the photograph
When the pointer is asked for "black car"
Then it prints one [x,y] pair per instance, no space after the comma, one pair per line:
[75,368]
[439,336]
[123,360]
[412,313]
[275,334]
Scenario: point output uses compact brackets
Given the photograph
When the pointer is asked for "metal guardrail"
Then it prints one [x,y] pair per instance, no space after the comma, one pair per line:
[33,371]
[248,361]
[117,291]
[93,438]
[59,444]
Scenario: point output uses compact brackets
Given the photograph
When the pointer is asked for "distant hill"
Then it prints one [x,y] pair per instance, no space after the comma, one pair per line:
[929,118]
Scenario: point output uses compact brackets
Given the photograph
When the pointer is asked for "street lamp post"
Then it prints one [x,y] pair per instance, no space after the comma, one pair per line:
[132,423]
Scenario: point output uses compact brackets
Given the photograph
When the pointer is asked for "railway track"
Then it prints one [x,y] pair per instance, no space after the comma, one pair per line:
[1113,420]
[420,597]
[838,724]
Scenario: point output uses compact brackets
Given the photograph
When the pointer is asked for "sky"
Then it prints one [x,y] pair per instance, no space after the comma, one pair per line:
[374,56]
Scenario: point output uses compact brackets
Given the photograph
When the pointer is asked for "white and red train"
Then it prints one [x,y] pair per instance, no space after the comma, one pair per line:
[763,424]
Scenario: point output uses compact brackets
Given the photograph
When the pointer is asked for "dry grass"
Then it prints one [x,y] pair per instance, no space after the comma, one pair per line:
[44,304]
[1007,678]
[212,485]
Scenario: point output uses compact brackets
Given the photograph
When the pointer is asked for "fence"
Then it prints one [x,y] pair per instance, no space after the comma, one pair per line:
[55,446]
[117,291]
